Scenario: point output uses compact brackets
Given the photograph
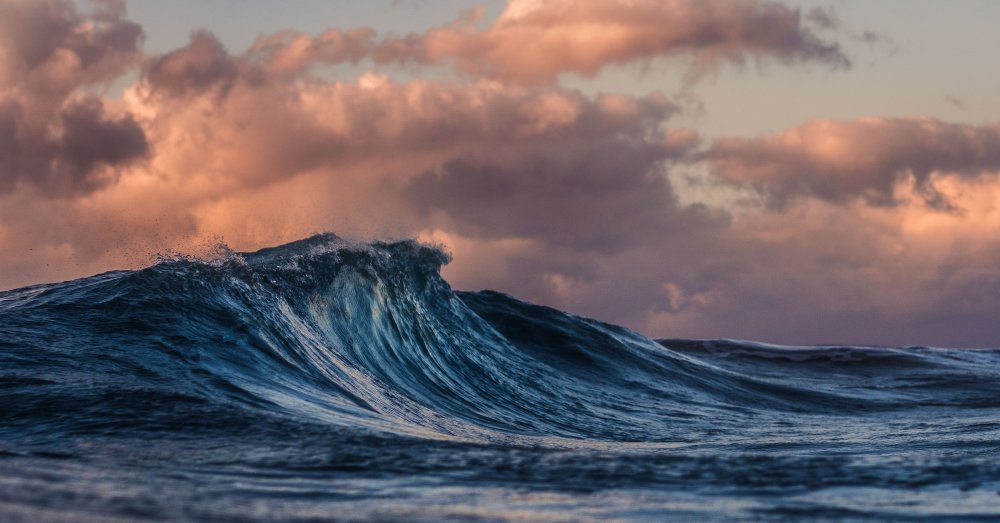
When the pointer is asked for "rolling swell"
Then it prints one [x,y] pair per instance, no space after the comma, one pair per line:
[362,335]
[270,354]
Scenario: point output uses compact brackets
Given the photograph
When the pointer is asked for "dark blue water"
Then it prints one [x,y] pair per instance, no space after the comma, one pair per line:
[324,380]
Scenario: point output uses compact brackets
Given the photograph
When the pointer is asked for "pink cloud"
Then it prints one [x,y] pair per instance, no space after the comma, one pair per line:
[866,158]
[191,70]
[289,52]
[536,42]
[53,137]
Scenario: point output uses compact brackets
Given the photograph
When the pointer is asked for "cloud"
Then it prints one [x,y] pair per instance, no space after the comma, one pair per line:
[54,137]
[868,159]
[603,196]
[202,64]
[824,17]
[267,126]
[290,52]
[49,49]
[536,42]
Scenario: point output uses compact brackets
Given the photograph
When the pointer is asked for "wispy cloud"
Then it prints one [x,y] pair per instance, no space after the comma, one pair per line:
[535,42]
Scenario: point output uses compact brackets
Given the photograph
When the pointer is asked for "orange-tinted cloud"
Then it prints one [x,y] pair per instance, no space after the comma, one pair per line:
[192,70]
[258,155]
[867,158]
[288,52]
[535,42]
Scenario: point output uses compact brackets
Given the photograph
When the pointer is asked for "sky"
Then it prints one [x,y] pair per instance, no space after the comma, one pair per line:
[801,172]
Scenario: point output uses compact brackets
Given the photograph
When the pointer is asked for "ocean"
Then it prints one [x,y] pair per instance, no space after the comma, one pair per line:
[327,380]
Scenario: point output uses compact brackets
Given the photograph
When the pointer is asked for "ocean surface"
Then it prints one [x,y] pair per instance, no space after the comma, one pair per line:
[328,380]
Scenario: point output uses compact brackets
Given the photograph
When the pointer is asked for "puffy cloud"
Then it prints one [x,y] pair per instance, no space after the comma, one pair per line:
[53,137]
[601,197]
[49,49]
[265,126]
[869,158]
[202,64]
[79,156]
[234,140]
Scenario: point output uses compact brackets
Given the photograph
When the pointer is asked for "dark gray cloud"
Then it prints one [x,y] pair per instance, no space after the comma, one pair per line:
[604,196]
[90,139]
[54,138]
[75,160]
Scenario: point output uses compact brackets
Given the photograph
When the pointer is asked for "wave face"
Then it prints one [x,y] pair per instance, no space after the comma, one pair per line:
[325,379]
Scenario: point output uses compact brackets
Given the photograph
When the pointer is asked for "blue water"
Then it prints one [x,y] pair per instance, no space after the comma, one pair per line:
[328,380]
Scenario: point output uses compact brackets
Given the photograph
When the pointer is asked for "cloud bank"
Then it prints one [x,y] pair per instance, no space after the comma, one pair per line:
[871,230]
